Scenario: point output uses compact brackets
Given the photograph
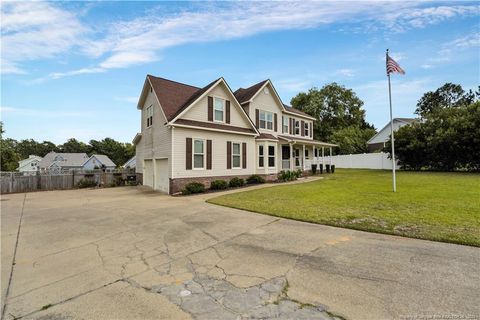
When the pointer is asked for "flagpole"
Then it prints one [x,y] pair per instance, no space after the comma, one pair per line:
[394,182]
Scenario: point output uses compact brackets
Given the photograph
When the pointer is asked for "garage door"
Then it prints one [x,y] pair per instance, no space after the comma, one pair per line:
[161,175]
[148,173]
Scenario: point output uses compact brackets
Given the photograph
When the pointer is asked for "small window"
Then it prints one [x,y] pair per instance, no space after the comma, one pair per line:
[198,154]
[236,156]
[149,116]
[297,127]
[266,120]
[285,124]
[261,157]
[219,109]
[271,156]
[306,128]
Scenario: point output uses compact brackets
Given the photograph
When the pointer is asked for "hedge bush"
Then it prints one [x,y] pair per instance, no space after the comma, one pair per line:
[236,182]
[255,178]
[194,187]
[86,183]
[287,175]
[218,185]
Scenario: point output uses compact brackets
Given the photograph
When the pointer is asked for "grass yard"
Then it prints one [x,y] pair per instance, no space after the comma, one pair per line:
[427,205]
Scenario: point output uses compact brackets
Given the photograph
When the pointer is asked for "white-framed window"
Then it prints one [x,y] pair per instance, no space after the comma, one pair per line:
[266,120]
[198,154]
[236,156]
[219,109]
[261,157]
[271,156]
[306,153]
[306,128]
[297,127]
[149,116]
[285,123]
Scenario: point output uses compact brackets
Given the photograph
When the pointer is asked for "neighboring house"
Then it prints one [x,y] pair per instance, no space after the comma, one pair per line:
[29,165]
[130,164]
[64,162]
[203,134]
[99,161]
[377,142]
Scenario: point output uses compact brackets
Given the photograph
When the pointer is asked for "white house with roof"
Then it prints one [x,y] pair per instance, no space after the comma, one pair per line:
[203,134]
[99,161]
[29,165]
[131,163]
[55,162]
[377,142]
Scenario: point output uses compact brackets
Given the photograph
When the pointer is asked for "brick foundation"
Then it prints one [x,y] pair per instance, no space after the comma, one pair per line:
[178,184]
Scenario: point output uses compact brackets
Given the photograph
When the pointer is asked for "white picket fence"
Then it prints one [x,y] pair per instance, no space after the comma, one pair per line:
[362,161]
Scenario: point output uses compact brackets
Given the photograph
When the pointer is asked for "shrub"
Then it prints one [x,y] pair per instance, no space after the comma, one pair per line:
[86,183]
[218,185]
[333,168]
[236,182]
[298,173]
[255,178]
[287,175]
[194,187]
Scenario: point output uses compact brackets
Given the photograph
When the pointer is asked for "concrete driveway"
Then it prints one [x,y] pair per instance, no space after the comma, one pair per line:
[124,253]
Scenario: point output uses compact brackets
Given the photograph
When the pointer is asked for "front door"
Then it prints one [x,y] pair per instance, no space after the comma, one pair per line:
[285,157]
[297,157]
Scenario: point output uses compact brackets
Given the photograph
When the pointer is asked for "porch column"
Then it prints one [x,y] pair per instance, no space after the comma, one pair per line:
[323,157]
[292,158]
[303,157]
[265,157]
[330,156]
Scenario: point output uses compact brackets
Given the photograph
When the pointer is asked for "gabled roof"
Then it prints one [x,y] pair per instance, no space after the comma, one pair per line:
[69,159]
[245,94]
[404,120]
[103,159]
[172,96]
[293,110]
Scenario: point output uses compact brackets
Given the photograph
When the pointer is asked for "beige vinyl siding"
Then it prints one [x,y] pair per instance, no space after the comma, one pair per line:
[156,139]
[219,153]
[267,102]
[199,111]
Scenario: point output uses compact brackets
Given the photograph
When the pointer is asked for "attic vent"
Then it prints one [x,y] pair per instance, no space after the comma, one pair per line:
[266,91]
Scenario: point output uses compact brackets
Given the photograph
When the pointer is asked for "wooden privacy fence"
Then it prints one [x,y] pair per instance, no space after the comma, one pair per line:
[13,182]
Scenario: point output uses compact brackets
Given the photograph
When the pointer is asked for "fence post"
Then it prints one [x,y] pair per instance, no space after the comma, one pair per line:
[73,178]
[39,180]
[11,181]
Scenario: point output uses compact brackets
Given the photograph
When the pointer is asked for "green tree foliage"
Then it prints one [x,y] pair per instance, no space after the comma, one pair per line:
[9,157]
[31,147]
[340,116]
[447,137]
[74,146]
[117,151]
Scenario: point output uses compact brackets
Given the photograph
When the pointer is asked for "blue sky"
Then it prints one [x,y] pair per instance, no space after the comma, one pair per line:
[76,69]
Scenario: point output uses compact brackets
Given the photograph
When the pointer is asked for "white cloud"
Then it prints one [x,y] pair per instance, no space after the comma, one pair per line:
[36,30]
[293,85]
[426,66]
[348,73]
[127,99]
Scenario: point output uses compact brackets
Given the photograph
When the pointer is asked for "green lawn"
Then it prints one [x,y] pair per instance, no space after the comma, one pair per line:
[427,205]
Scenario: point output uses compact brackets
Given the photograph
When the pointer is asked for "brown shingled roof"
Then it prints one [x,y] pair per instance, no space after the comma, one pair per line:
[245,94]
[292,109]
[172,95]
[212,125]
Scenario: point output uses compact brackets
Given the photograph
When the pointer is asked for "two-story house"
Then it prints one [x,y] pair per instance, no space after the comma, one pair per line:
[204,134]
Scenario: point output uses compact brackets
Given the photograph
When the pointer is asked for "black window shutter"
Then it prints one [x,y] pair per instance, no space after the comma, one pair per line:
[227,111]
[275,122]
[302,128]
[229,155]
[209,154]
[257,118]
[210,108]
[244,155]
[188,154]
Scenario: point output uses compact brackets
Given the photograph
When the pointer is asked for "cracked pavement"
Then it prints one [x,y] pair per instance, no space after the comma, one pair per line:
[126,253]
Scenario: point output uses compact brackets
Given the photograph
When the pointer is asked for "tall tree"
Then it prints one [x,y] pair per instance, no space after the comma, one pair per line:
[28,147]
[74,146]
[447,96]
[340,116]
[118,152]
[9,157]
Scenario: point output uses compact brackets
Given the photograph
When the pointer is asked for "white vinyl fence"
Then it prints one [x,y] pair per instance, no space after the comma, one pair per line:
[362,161]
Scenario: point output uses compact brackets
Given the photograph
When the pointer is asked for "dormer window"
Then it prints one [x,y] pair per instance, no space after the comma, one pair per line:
[266,120]
[219,107]
[297,127]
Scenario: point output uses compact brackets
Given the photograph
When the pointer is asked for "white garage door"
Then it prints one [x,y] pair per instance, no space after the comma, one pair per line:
[148,173]
[161,175]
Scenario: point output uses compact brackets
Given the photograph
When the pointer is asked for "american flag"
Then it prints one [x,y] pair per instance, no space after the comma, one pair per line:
[393,66]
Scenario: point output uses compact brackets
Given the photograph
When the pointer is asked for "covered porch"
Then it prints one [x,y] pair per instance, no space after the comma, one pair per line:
[302,153]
